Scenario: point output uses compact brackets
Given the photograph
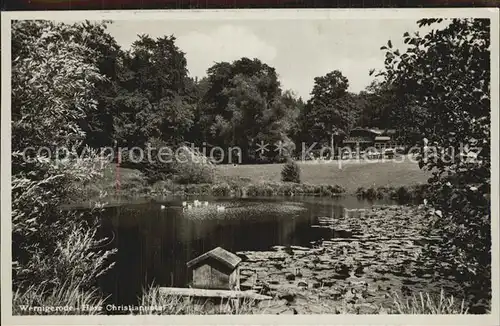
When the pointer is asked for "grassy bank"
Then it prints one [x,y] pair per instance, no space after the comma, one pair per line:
[348,175]
[366,180]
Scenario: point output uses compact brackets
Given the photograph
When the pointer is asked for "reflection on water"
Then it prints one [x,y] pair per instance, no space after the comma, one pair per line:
[154,244]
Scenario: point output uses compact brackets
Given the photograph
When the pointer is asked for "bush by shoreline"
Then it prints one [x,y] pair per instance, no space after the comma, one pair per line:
[243,187]
[128,183]
[232,189]
[402,194]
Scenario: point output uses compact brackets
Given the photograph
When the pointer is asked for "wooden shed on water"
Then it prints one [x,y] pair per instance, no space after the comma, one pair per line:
[215,269]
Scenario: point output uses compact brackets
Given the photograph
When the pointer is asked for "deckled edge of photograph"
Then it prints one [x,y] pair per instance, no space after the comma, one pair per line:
[195,15]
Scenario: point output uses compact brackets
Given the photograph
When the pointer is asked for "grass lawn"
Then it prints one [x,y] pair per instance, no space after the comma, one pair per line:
[349,175]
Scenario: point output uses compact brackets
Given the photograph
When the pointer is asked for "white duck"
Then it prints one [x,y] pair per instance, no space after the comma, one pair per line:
[184,204]
[163,206]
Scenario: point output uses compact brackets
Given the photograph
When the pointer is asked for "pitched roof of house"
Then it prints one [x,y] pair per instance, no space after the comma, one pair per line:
[227,258]
[357,140]
[370,130]
[375,131]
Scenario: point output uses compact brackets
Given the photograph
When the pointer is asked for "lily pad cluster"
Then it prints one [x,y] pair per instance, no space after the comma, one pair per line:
[362,260]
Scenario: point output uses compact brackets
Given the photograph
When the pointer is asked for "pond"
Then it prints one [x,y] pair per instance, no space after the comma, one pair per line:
[156,239]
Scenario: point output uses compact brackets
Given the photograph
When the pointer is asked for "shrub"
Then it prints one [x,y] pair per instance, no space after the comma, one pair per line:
[290,172]
[50,246]
[455,124]
[53,251]
[154,173]
[158,168]
[261,189]
[192,168]
[66,278]
[336,189]
[196,189]
[382,192]
[420,192]
[371,193]
[221,190]
[287,189]
[367,193]
[427,304]
[323,190]
[69,296]
[403,194]
[193,173]
[162,187]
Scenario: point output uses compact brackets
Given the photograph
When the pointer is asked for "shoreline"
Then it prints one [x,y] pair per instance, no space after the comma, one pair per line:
[264,189]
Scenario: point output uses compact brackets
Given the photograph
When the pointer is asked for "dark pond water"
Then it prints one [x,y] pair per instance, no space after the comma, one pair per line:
[154,243]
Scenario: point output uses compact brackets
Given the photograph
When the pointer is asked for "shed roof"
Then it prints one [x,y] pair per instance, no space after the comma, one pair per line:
[220,254]
[382,138]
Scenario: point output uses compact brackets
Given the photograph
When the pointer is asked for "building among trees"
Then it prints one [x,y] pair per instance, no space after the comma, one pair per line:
[364,138]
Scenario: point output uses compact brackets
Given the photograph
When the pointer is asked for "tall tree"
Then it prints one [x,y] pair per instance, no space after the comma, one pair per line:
[54,85]
[376,106]
[98,126]
[330,110]
[197,88]
[242,104]
[154,99]
[445,77]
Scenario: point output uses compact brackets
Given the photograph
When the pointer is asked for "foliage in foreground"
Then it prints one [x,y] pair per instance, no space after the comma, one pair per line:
[442,83]
[423,303]
[56,255]
[68,299]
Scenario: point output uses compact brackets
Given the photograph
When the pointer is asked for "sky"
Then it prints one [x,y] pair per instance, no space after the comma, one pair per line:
[299,50]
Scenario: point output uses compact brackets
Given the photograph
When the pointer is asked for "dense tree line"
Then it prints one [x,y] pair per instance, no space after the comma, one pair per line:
[147,96]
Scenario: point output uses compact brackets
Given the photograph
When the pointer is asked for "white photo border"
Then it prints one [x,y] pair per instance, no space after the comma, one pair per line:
[244,14]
